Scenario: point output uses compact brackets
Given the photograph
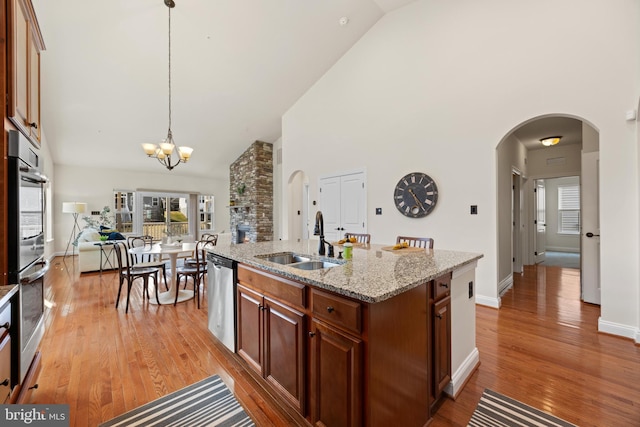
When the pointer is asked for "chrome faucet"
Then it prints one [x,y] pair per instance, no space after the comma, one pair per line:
[318,230]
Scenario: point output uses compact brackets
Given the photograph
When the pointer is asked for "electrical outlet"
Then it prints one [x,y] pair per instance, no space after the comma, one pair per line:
[470,289]
[378,211]
[474,209]
[95,212]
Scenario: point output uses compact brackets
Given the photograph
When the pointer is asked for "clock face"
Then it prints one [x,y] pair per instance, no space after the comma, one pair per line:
[415,195]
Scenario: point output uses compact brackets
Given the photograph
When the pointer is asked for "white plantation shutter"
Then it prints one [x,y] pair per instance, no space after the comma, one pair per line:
[569,209]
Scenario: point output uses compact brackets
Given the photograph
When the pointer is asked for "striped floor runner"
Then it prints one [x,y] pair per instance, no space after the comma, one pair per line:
[496,410]
[206,403]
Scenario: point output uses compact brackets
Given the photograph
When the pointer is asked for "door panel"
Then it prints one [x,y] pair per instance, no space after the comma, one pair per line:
[352,207]
[249,326]
[541,218]
[330,207]
[336,381]
[590,246]
[284,352]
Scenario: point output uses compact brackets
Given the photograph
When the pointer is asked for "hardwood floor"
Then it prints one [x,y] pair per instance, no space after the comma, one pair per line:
[541,348]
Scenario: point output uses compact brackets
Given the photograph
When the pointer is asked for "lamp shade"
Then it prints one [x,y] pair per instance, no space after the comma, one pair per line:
[74,207]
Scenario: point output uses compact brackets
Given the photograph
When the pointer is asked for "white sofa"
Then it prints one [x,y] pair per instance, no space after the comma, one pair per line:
[89,252]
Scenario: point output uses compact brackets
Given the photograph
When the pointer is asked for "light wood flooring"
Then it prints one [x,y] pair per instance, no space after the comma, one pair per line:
[541,347]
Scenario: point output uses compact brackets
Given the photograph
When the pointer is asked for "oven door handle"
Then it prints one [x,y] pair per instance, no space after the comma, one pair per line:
[33,175]
[37,275]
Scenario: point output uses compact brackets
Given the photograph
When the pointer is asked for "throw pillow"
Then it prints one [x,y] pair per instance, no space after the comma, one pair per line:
[114,235]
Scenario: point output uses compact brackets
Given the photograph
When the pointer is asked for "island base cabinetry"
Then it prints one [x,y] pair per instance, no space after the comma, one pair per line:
[440,342]
[340,361]
[272,338]
[336,377]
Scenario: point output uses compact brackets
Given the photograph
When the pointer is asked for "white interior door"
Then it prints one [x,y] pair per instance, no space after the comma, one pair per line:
[352,206]
[590,229]
[540,221]
[343,205]
[330,207]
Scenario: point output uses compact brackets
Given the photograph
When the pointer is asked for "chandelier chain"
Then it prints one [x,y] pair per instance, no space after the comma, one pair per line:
[167,153]
[169,70]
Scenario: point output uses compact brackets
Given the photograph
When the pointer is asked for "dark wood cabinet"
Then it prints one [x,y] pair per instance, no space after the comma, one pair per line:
[336,377]
[442,345]
[250,319]
[5,368]
[272,335]
[284,344]
[440,342]
[23,69]
[340,361]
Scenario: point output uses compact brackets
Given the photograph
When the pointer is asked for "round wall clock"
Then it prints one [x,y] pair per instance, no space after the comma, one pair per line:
[415,195]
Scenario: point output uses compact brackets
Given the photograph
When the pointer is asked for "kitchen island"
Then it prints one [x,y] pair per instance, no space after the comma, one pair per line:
[375,340]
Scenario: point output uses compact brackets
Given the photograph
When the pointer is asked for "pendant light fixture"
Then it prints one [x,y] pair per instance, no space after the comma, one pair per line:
[166,152]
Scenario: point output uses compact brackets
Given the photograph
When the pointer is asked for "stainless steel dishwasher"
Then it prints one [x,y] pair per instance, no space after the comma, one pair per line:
[222,299]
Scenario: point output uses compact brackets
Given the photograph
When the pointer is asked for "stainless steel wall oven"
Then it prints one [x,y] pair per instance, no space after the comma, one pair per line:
[27,266]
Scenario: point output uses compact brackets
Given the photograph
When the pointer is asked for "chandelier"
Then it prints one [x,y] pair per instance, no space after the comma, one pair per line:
[166,152]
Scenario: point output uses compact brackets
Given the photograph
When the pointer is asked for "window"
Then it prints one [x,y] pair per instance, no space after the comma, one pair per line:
[123,208]
[569,209]
[157,214]
[206,211]
[165,214]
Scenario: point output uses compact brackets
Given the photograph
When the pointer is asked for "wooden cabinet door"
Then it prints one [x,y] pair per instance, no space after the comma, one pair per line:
[442,344]
[18,107]
[5,368]
[33,118]
[284,351]
[249,313]
[336,377]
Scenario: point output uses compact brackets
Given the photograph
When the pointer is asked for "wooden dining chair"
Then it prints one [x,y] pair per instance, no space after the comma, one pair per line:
[197,271]
[128,274]
[146,260]
[210,236]
[360,237]
[416,242]
[206,237]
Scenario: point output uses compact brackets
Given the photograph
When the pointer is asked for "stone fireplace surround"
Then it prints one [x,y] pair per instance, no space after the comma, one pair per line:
[253,209]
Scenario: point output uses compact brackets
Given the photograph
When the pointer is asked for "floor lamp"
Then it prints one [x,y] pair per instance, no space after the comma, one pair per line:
[74,208]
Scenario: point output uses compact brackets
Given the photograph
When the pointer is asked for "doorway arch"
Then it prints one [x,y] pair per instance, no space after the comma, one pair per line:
[297,206]
[520,161]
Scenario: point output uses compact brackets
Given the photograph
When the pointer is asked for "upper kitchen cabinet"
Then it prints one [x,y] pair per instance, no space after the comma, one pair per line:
[23,68]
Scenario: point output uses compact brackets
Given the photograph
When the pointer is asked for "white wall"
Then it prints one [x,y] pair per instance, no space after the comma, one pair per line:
[511,155]
[545,163]
[435,86]
[94,185]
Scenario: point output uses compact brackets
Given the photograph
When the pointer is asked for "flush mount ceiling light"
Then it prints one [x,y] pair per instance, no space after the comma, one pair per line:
[164,151]
[550,140]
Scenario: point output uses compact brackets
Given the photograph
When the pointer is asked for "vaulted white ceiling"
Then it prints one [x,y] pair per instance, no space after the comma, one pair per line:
[237,66]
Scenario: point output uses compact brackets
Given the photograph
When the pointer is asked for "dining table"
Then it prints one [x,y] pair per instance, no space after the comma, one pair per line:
[172,250]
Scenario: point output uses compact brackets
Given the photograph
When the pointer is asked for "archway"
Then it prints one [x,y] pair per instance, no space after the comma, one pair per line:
[522,162]
[297,206]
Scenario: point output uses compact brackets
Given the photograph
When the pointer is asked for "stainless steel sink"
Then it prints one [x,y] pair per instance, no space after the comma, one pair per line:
[314,265]
[285,258]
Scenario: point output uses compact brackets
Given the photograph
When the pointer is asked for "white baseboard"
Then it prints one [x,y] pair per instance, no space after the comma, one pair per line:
[505,284]
[563,249]
[462,374]
[619,329]
[488,301]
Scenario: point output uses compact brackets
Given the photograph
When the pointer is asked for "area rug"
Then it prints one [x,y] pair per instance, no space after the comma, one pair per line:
[495,409]
[206,403]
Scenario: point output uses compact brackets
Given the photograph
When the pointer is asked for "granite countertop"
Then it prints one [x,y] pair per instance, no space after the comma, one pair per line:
[373,275]
[6,292]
